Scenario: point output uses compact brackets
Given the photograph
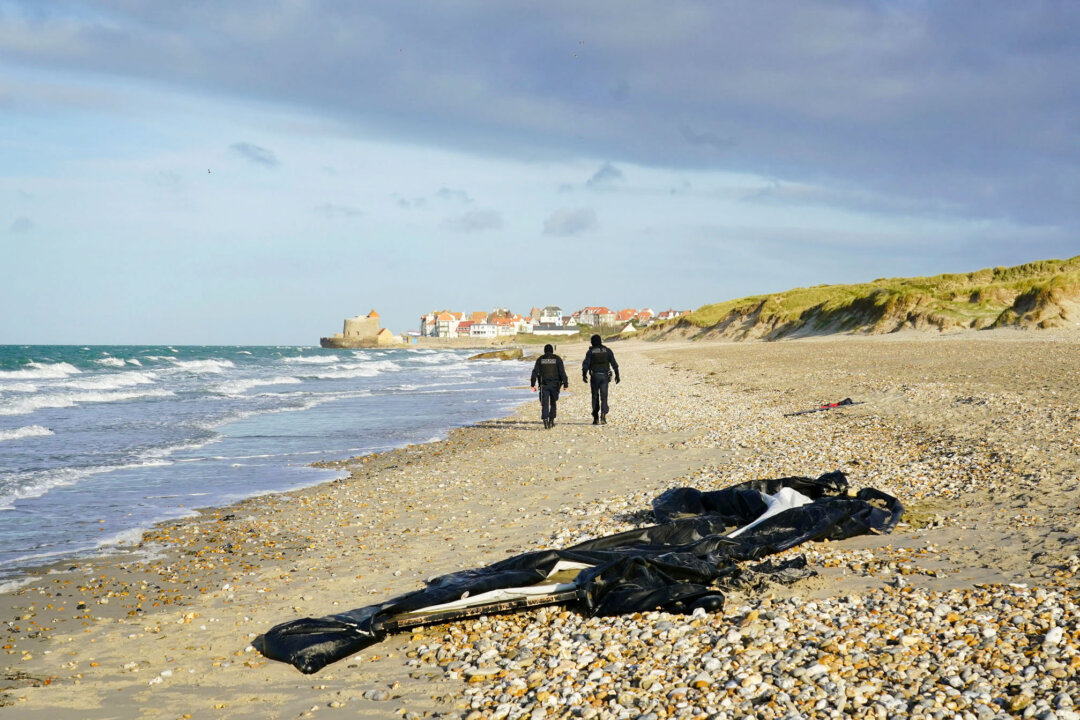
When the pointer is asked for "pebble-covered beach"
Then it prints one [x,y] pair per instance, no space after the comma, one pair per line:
[969,609]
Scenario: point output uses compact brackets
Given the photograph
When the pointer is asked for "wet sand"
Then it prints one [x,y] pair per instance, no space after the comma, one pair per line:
[977,434]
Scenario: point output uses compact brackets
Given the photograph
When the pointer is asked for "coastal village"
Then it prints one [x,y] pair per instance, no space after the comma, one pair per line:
[490,326]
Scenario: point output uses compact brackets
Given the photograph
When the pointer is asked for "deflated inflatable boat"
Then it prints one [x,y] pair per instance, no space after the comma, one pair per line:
[676,566]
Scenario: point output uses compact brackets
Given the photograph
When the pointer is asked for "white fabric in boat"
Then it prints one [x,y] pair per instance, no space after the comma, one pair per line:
[778,503]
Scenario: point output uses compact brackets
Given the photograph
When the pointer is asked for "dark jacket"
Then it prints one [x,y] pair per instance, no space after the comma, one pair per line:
[538,366]
[587,364]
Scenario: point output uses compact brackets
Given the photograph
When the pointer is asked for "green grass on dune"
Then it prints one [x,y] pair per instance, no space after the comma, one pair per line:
[992,296]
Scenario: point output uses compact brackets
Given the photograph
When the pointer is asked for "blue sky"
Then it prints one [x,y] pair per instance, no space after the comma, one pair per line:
[468,155]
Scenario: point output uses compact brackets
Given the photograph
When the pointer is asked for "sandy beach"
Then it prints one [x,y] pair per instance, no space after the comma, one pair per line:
[968,609]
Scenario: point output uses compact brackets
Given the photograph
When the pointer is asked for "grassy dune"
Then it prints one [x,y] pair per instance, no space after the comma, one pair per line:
[1041,294]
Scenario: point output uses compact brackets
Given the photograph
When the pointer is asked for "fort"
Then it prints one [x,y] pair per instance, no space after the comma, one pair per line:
[362,331]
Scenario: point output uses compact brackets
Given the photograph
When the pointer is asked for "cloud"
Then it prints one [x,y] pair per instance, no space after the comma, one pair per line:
[450,194]
[444,194]
[21,226]
[966,102]
[606,176]
[705,139]
[858,199]
[410,203]
[330,210]
[474,221]
[564,223]
[255,154]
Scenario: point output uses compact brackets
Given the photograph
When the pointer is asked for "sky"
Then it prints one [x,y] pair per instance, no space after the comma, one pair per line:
[255,171]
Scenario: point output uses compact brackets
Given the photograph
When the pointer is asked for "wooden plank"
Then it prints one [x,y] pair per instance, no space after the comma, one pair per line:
[418,619]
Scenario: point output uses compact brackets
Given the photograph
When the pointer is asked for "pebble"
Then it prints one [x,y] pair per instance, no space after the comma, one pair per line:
[915,640]
[898,650]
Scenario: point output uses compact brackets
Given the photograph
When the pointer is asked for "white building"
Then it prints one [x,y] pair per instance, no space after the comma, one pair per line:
[446,325]
[543,329]
[427,324]
[596,316]
[551,315]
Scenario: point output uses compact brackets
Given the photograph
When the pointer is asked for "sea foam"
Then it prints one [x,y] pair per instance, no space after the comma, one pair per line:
[212,365]
[23,387]
[25,406]
[111,381]
[40,370]
[370,368]
[239,387]
[25,432]
[314,359]
[22,486]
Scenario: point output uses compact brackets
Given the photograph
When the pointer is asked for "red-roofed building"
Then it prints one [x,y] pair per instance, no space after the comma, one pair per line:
[446,324]
[596,315]
[504,325]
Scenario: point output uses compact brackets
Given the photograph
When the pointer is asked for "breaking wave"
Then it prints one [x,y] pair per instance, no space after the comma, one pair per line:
[62,400]
[40,371]
[239,387]
[19,387]
[314,359]
[22,486]
[371,368]
[203,366]
[25,432]
[112,381]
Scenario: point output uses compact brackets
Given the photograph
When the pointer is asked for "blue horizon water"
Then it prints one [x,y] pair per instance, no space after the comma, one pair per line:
[98,443]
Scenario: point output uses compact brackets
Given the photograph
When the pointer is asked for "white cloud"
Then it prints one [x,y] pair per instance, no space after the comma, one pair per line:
[565,223]
[474,221]
[330,210]
[606,176]
[452,195]
[255,154]
[21,226]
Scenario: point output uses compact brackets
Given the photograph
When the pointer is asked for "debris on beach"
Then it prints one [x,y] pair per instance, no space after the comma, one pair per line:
[678,566]
[827,406]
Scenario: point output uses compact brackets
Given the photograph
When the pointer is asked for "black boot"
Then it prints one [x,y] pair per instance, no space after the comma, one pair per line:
[603,419]
[595,421]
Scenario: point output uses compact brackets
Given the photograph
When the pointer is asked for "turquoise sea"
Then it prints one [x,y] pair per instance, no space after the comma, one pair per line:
[99,442]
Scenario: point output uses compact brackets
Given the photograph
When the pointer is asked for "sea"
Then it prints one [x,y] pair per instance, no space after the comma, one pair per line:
[98,443]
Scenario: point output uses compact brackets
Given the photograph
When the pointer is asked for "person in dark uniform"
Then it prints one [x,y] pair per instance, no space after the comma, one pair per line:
[600,364]
[550,372]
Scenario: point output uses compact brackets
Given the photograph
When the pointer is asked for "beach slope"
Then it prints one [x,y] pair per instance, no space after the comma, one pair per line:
[970,606]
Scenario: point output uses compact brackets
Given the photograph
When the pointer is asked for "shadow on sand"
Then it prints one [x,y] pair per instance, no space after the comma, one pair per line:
[525,424]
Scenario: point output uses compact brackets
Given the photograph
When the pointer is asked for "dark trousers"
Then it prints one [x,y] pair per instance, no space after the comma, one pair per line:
[599,386]
[549,397]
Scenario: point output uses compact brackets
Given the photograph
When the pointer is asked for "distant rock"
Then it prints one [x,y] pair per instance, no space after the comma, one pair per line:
[508,354]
